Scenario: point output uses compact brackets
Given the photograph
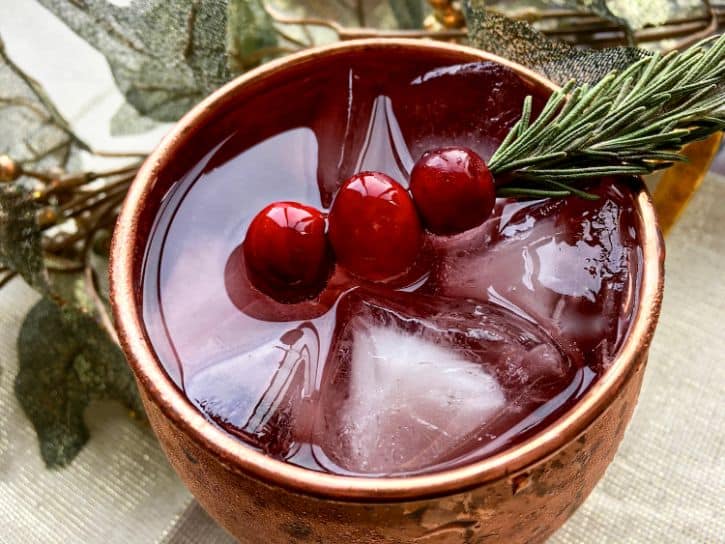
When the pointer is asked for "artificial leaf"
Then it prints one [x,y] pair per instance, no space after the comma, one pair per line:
[641,13]
[408,13]
[127,121]
[165,55]
[353,13]
[35,136]
[522,43]
[250,30]
[67,361]
[20,237]
[630,15]
[380,14]
[597,7]
[33,132]
[70,288]
[100,264]
[634,14]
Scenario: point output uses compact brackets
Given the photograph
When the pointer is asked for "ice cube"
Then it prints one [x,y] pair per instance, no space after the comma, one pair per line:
[405,393]
[263,394]
[412,381]
[567,264]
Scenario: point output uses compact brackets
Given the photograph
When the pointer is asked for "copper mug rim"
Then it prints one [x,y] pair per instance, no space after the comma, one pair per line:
[239,457]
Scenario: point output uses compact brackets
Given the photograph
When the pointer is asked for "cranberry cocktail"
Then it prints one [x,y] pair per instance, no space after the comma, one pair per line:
[375,342]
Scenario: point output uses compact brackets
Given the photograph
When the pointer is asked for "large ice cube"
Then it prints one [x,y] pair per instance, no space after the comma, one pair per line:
[567,264]
[412,381]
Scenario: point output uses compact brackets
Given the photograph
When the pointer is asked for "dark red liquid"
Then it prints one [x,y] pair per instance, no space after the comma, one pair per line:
[492,335]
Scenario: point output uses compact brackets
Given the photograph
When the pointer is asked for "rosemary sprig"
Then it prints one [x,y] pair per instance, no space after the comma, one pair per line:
[632,122]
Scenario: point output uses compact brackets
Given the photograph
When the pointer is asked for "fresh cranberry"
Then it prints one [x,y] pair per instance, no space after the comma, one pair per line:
[286,251]
[374,228]
[453,189]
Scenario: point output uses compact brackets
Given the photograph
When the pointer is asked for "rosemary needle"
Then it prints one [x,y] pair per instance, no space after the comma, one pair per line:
[632,122]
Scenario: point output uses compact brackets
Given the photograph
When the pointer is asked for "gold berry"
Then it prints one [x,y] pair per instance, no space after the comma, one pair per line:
[9,169]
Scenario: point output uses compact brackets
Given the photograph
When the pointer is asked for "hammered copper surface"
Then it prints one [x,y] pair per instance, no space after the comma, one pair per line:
[519,495]
[525,507]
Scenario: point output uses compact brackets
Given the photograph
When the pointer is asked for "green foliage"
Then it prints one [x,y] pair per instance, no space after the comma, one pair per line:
[522,43]
[35,135]
[20,246]
[66,358]
[408,13]
[165,55]
[250,30]
[67,361]
[598,7]
[127,121]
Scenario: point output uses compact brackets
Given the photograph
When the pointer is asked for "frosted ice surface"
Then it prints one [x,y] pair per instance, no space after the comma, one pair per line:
[413,381]
[405,394]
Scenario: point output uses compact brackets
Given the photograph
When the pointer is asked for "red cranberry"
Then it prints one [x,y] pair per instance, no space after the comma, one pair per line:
[453,189]
[374,228]
[286,250]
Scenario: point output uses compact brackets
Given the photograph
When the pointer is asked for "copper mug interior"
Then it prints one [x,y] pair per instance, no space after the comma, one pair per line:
[521,495]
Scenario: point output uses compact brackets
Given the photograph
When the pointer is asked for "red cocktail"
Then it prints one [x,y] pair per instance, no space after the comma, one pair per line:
[491,335]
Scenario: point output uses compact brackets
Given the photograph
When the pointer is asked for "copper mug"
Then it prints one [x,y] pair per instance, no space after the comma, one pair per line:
[522,494]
